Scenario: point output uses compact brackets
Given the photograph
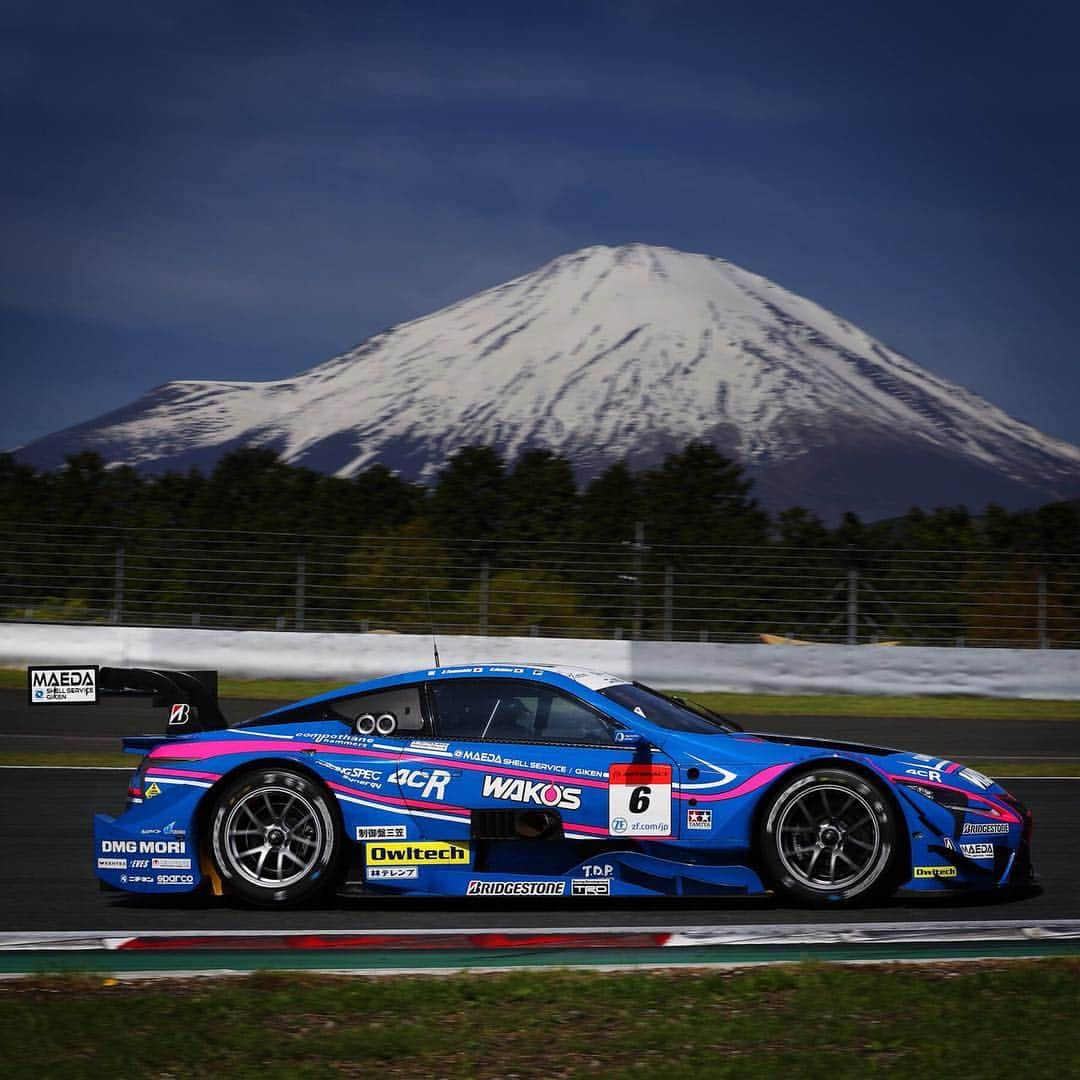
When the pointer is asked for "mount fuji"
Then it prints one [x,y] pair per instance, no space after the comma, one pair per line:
[614,353]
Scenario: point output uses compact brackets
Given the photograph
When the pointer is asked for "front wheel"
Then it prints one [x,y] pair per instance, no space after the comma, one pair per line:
[829,836]
[275,838]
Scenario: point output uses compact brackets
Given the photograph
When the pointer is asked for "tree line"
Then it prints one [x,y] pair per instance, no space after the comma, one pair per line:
[682,549]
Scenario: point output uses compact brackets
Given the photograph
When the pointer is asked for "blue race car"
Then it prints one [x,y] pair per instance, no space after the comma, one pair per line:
[501,780]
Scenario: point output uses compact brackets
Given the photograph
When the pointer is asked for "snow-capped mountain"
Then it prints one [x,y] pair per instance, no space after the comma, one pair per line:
[611,353]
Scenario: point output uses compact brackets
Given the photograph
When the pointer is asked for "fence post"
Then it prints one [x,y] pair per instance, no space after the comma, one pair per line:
[852,606]
[639,548]
[301,569]
[1042,609]
[669,595]
[485,580]
[118,588]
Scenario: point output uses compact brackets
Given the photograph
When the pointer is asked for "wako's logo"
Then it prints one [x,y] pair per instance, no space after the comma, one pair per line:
[540,792]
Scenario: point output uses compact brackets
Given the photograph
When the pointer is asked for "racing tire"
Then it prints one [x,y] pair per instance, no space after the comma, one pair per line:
[829,836]
[275,837]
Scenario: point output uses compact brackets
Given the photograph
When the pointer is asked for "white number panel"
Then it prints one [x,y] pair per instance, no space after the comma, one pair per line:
[639,800]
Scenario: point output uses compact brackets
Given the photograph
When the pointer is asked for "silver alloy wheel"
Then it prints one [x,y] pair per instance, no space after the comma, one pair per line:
[273,836]
[828,837]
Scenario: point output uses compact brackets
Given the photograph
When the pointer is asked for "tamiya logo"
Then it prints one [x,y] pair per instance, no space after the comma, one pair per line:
[590,887]
[515,888]
[540,792]
[698,819]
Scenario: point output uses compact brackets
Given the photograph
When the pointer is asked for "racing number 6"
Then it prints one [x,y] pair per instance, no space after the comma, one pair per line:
[639,800]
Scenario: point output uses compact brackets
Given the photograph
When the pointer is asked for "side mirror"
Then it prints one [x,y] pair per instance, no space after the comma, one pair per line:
[630,739]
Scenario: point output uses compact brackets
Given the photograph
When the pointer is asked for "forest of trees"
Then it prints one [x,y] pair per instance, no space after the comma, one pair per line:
[679,550]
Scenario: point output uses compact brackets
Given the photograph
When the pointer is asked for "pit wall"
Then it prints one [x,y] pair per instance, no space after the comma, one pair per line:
[778,669]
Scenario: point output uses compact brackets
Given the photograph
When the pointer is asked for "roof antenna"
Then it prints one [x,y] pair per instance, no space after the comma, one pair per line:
[431,619]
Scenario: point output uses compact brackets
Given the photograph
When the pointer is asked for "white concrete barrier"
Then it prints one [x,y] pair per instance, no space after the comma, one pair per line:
[781,669]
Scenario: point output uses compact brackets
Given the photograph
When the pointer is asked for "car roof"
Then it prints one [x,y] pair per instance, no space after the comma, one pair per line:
[567,677]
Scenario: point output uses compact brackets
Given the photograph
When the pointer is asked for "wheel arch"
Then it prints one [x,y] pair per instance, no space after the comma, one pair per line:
[903,840]
[201,817]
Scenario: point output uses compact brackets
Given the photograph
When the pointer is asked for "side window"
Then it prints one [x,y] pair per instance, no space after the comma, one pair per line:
[502,710]
[396,711]
[571,721]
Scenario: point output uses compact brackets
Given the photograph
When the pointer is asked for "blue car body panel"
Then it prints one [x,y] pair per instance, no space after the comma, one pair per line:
[655,812]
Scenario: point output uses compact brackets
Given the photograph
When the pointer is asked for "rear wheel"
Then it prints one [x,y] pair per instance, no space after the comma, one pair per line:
[274,836]
[829,836]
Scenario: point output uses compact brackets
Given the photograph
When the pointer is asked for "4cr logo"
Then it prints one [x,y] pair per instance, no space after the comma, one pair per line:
[431,783]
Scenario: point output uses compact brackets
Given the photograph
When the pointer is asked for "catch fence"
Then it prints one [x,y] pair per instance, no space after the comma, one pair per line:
[288,581]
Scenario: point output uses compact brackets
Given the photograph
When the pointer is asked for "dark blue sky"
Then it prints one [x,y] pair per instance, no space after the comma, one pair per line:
[205,190]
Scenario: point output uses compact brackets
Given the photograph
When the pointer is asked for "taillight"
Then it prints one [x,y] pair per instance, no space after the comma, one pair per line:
[135,784]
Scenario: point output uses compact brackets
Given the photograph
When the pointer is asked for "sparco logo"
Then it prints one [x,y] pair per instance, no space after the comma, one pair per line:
[516,888]
[540,792]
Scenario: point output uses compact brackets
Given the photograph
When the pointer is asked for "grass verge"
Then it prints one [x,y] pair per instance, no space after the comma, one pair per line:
[939,707]
[69,758]
[808,1020]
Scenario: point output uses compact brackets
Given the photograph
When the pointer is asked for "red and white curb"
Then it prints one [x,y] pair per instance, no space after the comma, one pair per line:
[495,939]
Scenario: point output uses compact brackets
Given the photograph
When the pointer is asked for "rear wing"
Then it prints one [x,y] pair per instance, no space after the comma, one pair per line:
[191,696]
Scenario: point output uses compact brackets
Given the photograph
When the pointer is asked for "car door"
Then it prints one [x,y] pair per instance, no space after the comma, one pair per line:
[527,759]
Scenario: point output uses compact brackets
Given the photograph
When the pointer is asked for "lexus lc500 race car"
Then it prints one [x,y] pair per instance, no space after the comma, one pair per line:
[500,780]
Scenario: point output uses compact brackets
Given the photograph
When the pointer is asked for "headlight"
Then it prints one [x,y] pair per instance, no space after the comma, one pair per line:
[944,797]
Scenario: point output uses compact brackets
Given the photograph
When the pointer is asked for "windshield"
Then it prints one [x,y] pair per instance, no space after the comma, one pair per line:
[667,712]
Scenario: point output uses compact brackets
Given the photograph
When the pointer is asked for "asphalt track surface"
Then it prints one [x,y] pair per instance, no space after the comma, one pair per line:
[47,881]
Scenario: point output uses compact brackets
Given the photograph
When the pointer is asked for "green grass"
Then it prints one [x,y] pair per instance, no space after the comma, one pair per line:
[1006,769]
[79,758]
[940,707]
[804,1020]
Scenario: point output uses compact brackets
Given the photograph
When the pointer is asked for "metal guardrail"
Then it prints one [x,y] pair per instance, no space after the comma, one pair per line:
[288,581]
